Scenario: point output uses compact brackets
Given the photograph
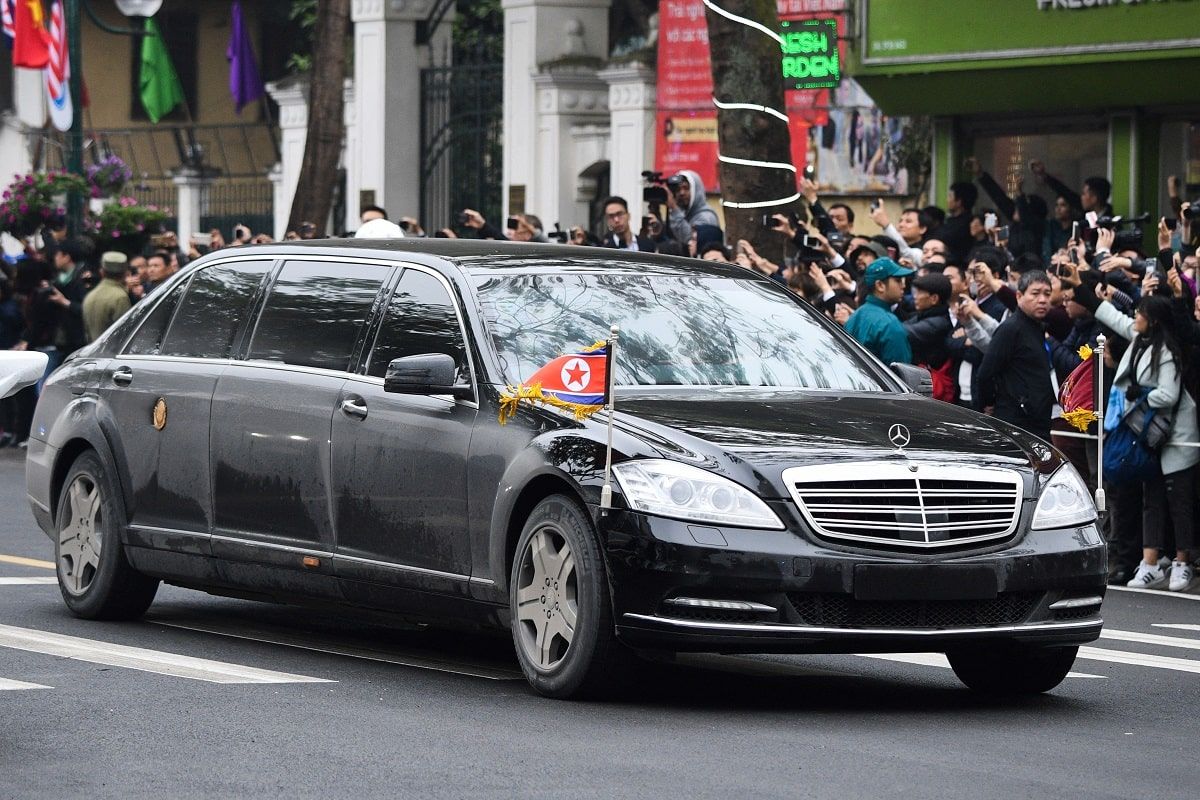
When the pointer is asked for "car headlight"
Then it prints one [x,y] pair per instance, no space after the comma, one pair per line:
[671,489]
[1065,501]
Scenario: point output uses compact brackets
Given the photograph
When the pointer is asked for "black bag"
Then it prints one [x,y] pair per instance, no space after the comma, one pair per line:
[1152,426]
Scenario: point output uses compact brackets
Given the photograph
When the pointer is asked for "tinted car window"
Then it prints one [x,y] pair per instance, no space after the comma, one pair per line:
[315,311]
[682,330]
[420,320]
[212,310]
[148,340]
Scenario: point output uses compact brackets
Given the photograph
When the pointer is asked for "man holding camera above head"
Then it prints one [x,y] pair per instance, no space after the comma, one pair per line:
[687,205]
[1092,197]
[620,235]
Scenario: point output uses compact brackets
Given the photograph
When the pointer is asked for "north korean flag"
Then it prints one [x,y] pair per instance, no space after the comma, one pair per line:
[580,378]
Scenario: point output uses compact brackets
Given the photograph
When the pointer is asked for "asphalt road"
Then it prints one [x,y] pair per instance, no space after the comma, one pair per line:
[211,697]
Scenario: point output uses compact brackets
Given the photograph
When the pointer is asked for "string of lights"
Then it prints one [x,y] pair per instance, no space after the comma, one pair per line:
[774,112]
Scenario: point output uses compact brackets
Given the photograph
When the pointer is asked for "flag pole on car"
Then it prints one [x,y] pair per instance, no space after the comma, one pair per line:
[610,404]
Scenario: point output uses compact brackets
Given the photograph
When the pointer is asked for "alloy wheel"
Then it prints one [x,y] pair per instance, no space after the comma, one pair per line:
[547,598]
[80,540]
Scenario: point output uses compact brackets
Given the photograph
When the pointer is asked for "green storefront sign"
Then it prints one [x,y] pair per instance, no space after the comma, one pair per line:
[958,34]
[810,54]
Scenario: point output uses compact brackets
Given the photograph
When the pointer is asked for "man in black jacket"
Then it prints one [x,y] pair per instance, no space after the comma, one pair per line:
[1015,374]
[620,235]
[956,230]
[931,327]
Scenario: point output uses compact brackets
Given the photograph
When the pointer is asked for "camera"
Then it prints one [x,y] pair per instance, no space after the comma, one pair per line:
[1192,212]
[558,234]
[512,223]
[461,218]
[654,193]
[837,239]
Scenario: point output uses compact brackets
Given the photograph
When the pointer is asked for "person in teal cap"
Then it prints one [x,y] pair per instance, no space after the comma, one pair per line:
[874,325]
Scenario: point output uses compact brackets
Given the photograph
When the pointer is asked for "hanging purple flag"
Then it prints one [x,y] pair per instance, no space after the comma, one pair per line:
[244,82]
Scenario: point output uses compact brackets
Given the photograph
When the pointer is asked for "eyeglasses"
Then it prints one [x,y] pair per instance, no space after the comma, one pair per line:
[617,214]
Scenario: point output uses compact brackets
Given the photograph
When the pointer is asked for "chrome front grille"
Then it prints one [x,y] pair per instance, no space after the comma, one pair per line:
[906,504]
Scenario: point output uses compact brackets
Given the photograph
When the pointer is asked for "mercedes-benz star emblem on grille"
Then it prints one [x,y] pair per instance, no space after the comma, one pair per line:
[898,435]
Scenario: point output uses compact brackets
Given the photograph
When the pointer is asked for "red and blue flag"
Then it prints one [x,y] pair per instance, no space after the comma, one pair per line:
[576,382]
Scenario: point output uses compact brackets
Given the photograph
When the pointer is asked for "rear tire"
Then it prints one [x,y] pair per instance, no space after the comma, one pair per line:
[94,576]
[560,609]
[1013,669]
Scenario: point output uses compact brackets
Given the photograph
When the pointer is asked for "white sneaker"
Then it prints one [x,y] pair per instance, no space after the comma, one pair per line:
[1148,577]
[1181,576]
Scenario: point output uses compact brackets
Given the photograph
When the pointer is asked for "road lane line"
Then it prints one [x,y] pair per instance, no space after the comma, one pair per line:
[35,580]
[117,655]
[320,645]
[1155,592]
[26,562]
[1179,626]
[10,685]
[940,660]
[1150,638]
[1139,660]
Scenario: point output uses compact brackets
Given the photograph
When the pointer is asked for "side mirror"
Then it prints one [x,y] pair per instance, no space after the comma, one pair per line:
[917,379]
[19,369]
[431,373]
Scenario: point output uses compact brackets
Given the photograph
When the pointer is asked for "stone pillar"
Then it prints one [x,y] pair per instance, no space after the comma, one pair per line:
[537,32]
[387,81]
[191,198]
[350,160]
[632,91]
[292,96]
[569,100]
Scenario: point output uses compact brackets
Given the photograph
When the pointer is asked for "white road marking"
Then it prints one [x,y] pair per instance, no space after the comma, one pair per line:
[1179,626]
[1155,592]
[321,645]
[116,655]
[6,685]
[1139,660]
[940,660]
[1150,638]
[36,580]
[26,562]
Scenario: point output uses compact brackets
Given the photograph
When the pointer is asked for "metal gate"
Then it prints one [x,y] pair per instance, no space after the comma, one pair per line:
[461,142]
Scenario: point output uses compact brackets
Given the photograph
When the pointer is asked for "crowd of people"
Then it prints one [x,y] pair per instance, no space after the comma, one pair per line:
[998,297]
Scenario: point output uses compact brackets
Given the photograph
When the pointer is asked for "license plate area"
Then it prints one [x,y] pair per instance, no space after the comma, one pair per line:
[924,582]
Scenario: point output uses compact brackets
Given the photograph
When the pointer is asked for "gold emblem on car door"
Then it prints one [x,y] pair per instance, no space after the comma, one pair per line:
[159,417]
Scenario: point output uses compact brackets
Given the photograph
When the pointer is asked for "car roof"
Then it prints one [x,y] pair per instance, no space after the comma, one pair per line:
[482,257]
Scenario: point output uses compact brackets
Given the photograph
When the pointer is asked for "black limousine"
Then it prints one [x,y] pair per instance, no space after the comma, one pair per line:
[318,422]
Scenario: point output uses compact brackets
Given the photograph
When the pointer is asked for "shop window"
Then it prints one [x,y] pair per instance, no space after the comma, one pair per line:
[1070,157]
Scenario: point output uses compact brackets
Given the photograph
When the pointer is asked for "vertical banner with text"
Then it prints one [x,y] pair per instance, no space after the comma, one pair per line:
[687,119]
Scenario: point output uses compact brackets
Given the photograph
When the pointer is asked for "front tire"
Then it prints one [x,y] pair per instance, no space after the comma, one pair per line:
[94,576]
[1013,669]
[560,608]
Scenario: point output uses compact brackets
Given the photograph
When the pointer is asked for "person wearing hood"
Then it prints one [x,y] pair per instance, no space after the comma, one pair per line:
[687,205]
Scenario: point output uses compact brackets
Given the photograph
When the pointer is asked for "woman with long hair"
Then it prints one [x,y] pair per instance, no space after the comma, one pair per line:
[1153,366]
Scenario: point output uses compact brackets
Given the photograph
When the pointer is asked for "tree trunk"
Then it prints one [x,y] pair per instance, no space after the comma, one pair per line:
[747,68]
[326,129]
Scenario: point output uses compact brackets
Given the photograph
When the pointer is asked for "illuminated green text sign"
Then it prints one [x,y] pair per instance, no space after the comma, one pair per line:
[810,54]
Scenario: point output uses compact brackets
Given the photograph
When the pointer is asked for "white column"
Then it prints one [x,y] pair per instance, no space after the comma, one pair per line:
[19,125]
[569,101]
[350,160]
[631,103]
[191,198]
[387,81]
[537,32]
[292,97]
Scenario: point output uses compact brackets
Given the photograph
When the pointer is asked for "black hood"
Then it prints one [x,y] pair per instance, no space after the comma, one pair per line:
[752,435]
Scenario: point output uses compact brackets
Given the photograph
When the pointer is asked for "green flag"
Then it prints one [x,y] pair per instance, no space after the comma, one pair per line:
[160,87]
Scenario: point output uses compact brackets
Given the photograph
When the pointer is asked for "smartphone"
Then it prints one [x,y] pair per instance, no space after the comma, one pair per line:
[989,220]
[811,242]
[1171,223]
[769,221]
[461,218]
[876,204]
[1002,233]
[646,222]
[810,172]
[200,239]
[511,223]
[1075,231]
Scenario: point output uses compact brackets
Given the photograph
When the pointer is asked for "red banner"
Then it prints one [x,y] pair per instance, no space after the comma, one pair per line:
[687,119]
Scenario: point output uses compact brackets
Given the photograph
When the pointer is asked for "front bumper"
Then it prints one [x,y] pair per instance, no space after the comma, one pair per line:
[799,594]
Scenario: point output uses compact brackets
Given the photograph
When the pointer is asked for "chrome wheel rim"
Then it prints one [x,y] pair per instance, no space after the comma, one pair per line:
[80,540]
[547,598]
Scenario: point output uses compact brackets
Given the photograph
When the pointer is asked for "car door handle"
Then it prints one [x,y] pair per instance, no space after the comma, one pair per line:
[122,376]
[355,407]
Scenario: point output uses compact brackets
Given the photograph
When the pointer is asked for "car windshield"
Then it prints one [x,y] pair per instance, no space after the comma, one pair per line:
[676,330]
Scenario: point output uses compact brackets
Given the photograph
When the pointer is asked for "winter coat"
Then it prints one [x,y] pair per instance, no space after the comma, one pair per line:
[698,213]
